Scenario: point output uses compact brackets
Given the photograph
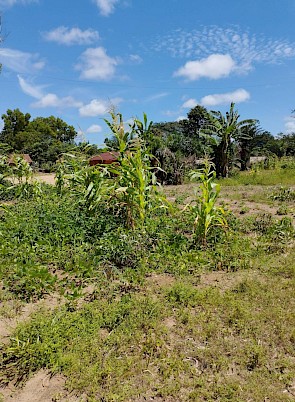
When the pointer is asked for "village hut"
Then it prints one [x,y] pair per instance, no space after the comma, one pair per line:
[105,158]
[26,157]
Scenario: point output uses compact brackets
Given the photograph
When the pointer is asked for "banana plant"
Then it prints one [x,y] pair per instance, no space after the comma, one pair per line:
[223,130]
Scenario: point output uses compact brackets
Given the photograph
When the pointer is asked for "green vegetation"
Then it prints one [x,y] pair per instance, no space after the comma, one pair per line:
[207,213]
[176,147]
[153,300]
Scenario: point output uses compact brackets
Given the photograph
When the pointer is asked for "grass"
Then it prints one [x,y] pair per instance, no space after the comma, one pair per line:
[282,176]
[145,314]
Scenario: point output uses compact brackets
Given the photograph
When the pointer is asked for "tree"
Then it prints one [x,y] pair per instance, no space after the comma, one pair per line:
[225,130]
[15,123]
[194,142]
[44,138]
[196,119]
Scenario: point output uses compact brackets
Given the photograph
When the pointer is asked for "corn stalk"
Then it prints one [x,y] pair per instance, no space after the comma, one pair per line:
[136,185]
[207,214]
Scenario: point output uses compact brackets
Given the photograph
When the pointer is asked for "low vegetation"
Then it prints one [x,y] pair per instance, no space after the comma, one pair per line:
[158,294]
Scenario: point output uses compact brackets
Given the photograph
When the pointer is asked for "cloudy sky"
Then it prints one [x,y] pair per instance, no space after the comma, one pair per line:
[77,59]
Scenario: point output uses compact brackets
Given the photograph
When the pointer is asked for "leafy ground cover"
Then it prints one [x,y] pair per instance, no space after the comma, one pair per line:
[146,312]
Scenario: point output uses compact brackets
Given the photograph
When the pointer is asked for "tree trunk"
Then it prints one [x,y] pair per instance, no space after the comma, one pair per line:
[221,159]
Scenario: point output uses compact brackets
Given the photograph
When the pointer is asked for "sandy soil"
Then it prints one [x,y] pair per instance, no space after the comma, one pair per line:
[42,387]
[48,178]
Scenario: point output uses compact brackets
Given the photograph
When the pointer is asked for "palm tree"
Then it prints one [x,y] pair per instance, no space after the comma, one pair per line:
[224,131]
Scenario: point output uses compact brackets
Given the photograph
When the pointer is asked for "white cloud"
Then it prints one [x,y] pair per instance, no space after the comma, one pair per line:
[52,100]
[106,7]
[189,104]
[179,118]
[10,3]
[95,108]
[20,62]
[290,125]
[96,64]
[29,89]
[238,96]
[215,66]
[95,128]
[47,100]
[135,58]
[98,107]
[245,48]
[74,36]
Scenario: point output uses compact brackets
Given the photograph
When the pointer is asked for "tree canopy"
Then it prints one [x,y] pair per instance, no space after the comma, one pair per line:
[43,137]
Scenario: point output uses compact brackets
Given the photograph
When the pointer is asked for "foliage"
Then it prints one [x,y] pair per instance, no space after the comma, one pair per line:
[22,177]
[283,194]
[224,130]
[140,304]
[86,183]
[44,138]
[135,191]
[207,214]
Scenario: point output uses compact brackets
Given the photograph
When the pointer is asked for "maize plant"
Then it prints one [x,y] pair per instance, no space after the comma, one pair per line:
[207,214]
[136,191]
[5,170]
[87,183]
[23,179]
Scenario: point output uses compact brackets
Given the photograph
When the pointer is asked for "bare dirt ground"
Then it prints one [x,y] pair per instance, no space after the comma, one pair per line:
[40,388]
[48,178]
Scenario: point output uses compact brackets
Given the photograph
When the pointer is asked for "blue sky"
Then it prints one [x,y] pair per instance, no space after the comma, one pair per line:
[76,59]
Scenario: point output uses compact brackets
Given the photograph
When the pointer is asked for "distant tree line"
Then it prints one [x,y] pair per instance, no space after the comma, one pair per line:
[228,140]
[177,146]
[43,138]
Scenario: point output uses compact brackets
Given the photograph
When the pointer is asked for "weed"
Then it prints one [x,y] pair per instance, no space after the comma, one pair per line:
[30,282]
[283,194]
[283,210]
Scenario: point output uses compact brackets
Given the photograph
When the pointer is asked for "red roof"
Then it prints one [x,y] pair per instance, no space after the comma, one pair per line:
[104,158]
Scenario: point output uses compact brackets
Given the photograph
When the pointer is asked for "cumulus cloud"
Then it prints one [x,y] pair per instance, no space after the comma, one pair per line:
[215,66]
[189,104]
[106,7]
[98,107]
[10,3]
[238,96]
[95,64]
[52,100]
[20,62]
[71,36]
[245,48]
[95,128]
